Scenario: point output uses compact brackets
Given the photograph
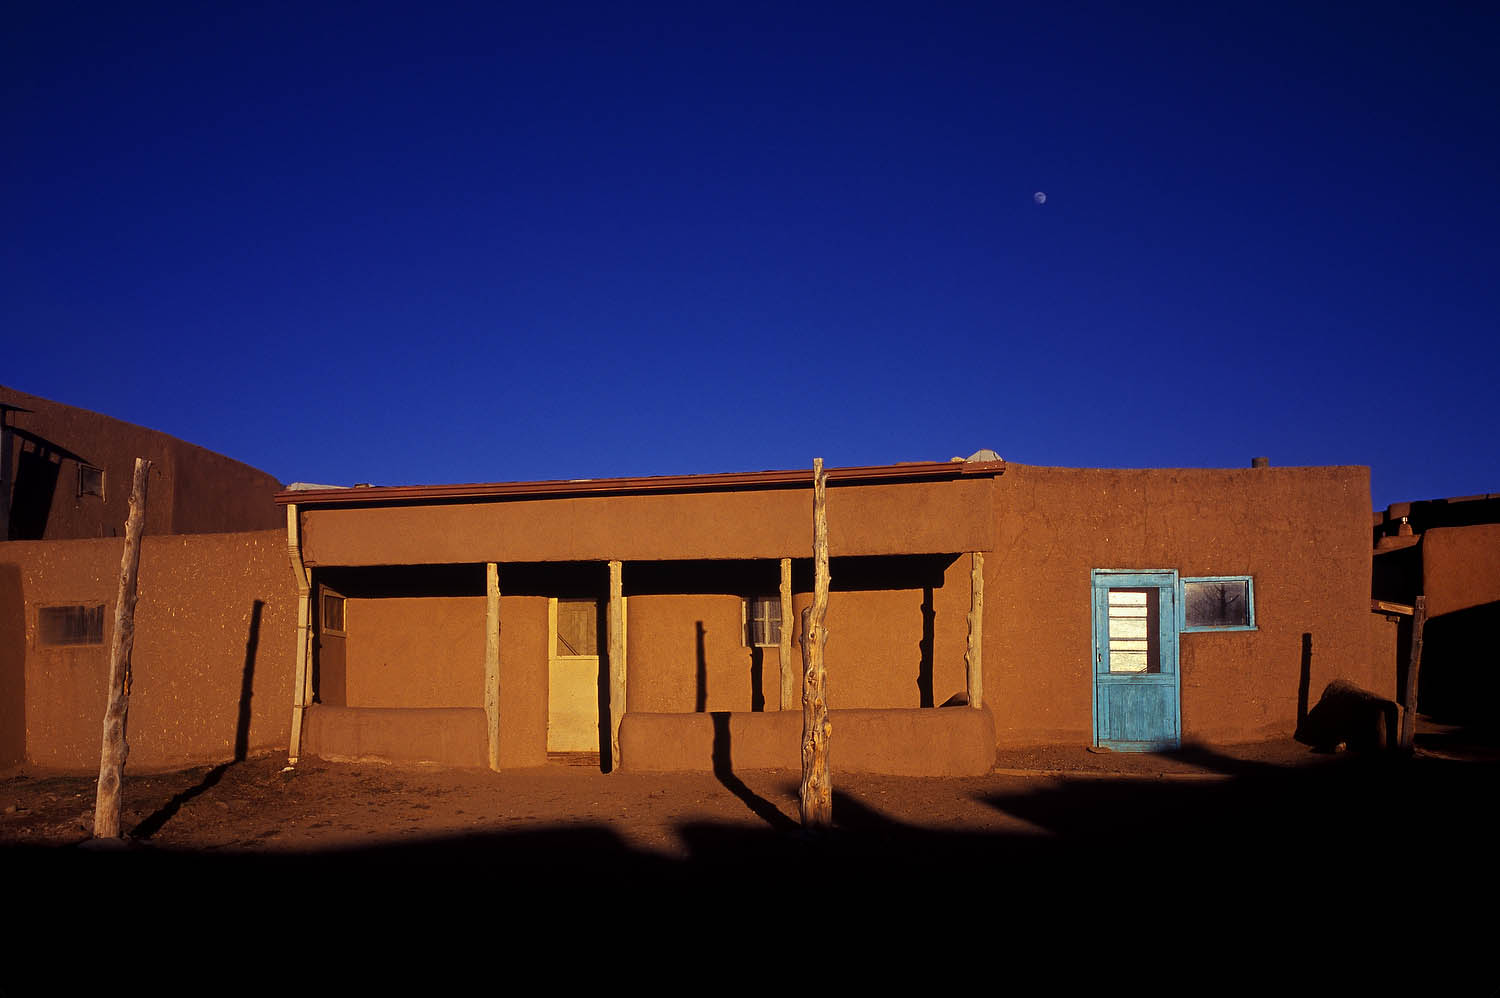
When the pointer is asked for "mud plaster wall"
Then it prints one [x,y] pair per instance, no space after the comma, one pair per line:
[1460,567]
[190,490]
[1303,533]
[209,677]
[415,651]
[874,655]
[862,520]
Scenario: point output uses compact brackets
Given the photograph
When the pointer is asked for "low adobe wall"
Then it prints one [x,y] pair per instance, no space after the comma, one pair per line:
[445,736]
[954,741]
[215,645]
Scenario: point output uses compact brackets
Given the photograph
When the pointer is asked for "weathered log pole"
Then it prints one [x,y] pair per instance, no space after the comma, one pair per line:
[1413,670]
[114,748]
[817,785]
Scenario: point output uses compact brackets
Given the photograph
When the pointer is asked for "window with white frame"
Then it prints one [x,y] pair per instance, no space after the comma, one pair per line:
[1218,603]
[762,621]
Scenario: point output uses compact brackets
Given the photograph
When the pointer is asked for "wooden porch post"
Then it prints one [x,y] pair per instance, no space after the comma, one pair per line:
[492,660]
[973,657]
[816,793]
[1413,670]
[303,681]
[791,676]
[616,661]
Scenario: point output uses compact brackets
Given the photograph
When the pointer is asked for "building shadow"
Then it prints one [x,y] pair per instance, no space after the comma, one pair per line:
[700,675]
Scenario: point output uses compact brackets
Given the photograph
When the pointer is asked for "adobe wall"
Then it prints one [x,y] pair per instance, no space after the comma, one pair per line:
[1302,533]
[191,489]
[415,652]
[214,647]
[770,523]
[1460,567]
[1460,675]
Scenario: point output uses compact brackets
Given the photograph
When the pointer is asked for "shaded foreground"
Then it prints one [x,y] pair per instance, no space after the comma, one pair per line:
[1202,839]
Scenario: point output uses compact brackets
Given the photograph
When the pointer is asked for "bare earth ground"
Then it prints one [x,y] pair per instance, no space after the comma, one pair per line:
[1054,842]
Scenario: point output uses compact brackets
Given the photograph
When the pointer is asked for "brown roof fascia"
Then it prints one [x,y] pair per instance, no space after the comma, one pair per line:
[406,494]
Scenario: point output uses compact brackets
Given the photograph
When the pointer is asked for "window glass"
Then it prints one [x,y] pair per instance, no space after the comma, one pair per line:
[71,625]
[763,620]
[1133,623]
[1217,603]
[577,627]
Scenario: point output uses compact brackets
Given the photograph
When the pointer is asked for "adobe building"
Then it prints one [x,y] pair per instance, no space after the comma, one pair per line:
[65,479]
[978,604]
[66,472]
[1447,550]
[654,622]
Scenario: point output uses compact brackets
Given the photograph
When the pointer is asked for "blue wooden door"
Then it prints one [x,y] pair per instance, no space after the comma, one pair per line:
[1136,706]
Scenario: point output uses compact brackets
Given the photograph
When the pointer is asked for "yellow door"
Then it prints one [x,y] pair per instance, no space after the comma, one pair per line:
[573,676]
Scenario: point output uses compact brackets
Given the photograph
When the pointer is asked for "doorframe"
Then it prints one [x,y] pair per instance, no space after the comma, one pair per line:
[1167,582]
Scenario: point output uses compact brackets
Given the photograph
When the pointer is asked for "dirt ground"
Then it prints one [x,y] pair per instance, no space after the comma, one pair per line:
[1051,840]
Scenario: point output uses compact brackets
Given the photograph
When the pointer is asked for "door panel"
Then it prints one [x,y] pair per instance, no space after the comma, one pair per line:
[573,676]
[1136,702]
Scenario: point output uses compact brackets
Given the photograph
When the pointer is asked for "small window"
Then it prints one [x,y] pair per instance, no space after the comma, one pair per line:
[90,481]
[333,613]
[763,621]
[71,625]
[577,628]
[1220,603]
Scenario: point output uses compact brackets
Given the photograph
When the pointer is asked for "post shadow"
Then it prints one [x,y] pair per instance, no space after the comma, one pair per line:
[154,822]
[700,703]
[1304,679]
[601,682]
[724,773]
[247,683]
[757,669]
[924,664]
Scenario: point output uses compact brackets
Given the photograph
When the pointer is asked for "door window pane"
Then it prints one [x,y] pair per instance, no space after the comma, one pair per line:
[1133,624]
[577,627]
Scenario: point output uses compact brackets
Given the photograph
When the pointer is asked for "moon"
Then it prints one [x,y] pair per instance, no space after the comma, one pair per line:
[1040,197]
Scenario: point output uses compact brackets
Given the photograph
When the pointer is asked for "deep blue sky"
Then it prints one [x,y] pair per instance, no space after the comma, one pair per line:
[477,242]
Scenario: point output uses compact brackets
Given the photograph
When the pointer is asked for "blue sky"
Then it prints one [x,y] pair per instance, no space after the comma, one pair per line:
[402,243]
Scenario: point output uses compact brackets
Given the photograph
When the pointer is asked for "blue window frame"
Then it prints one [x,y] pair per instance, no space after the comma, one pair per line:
[1217,603]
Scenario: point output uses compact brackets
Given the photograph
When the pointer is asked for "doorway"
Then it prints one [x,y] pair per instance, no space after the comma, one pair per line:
[1136,694]
[573,680]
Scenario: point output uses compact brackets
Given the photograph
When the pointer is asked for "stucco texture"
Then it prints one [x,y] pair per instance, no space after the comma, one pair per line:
[1301,533]
[214,649]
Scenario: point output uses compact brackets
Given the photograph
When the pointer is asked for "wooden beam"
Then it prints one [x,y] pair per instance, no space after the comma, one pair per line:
[492,660]
[791,676]
[974,656]
[817,784]
[616,661]
[302,681]
[1385,606]
[113,749]
[1413,673]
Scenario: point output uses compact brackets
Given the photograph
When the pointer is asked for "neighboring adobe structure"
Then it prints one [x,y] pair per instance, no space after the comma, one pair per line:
[66,472]
[65,477]
[975,605]
[1449,551]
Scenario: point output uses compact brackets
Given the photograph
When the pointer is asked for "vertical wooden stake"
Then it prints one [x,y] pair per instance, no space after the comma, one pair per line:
[302,680]
[817,784]
[974,656]
[492,660]
[616,661]
[791,676]
[114,748]
[1413,671]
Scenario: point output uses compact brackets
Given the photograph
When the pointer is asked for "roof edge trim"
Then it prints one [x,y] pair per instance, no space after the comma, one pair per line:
[378,495]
